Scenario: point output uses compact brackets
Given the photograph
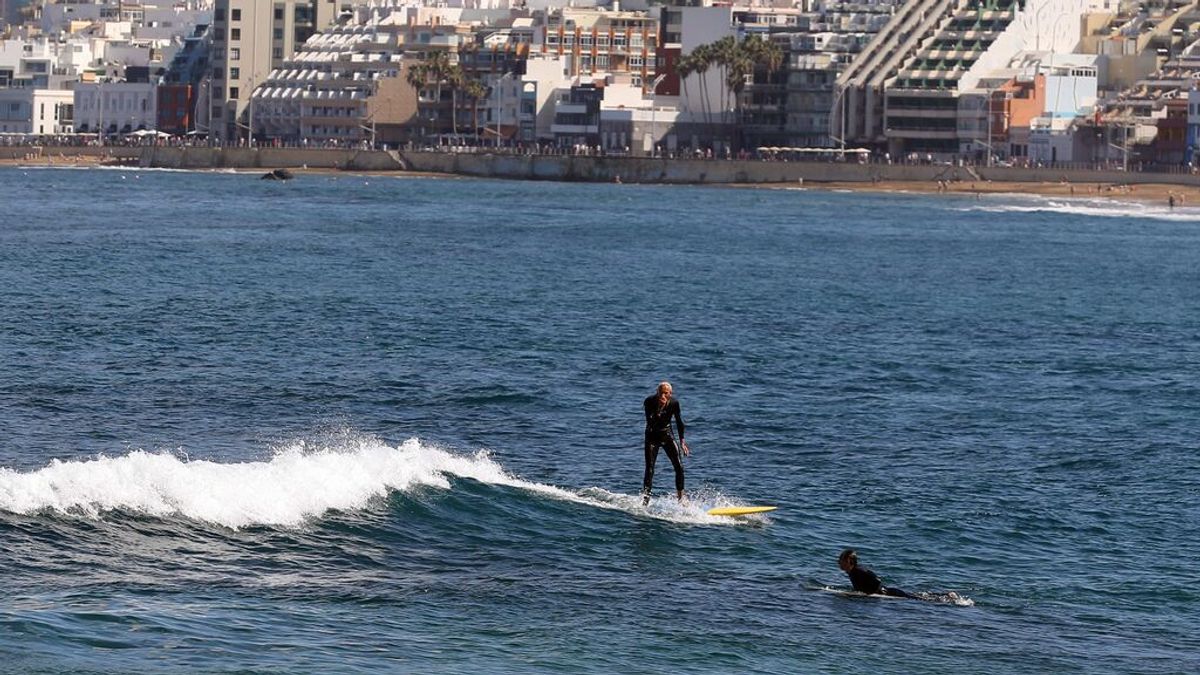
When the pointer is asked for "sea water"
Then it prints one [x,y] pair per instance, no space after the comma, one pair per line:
[383,424]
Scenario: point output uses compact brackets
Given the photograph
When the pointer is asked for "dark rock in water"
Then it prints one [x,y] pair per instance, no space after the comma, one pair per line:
[278,174]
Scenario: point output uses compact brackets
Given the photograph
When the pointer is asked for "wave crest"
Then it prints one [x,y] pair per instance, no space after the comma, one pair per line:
[297,483]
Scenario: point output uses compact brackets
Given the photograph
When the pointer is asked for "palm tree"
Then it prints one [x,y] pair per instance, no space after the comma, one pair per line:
[474,91]
[725,52]
[735,81]
[702,57]
[456,79]
[437,69]
[684,67]
[417,77]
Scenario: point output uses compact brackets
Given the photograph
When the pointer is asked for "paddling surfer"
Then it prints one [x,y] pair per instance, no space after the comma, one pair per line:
[863,579]
[660,408]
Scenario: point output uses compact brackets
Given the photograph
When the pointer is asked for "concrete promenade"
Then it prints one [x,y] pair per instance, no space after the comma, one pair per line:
[572,168]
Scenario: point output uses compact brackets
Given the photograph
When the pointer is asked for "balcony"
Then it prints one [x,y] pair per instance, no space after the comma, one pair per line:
[574,129]
[571,109]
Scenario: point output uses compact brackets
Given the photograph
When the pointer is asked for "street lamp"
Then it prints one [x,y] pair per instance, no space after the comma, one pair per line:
[654,114]
[100,101]
[1123,147]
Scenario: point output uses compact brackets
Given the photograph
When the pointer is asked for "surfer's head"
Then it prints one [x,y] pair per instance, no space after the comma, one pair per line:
[664,390]
[848,560]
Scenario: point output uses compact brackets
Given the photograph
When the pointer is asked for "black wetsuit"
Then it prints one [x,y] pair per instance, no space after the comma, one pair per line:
[866,581]
[658,435]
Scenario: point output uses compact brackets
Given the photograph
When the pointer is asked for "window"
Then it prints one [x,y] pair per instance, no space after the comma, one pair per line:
[635,40]
[219,14]
[235,54]
[602,40]
[235,73]
[218,74]
[618,40]
[602,60]
[236,14]
[233,92]
[278,33]
[235,33]
[635,61]
[279,14]
[585,40]
[277,53]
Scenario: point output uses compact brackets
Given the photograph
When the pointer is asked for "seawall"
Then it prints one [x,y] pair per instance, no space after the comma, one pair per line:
[575,168]
[651,170]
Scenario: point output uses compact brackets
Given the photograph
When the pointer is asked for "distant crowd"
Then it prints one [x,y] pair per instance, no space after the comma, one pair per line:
[508,147]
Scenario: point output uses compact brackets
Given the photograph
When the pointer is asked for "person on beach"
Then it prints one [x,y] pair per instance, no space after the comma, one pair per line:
[863,579]
[660,407]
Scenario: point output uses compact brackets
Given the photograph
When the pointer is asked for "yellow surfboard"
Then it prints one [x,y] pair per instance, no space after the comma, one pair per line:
[740,510]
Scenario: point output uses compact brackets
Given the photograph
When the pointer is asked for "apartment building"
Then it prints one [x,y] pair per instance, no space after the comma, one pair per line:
[250,39]
[36,111]
[595,42]
[973,39]
[345,84]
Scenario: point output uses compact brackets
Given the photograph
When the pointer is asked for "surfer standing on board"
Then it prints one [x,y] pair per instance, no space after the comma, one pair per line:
[660,408]
[863,579]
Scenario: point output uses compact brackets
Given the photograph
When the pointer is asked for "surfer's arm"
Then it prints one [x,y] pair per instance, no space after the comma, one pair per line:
[683,446]
[678,420]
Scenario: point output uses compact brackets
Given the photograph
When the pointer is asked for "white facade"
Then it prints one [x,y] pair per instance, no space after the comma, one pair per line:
[642,131]
[1071,94]
[544,80]
[35,111]
[161,20]
[44,62]
[1041,26]
[129,54]
[1052,139]
[115,107]
[171,22]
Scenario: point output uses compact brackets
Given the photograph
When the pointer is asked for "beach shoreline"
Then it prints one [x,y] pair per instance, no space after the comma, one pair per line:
[1150,193]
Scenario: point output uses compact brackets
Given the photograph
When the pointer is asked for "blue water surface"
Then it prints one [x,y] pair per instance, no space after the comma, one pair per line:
[209,383]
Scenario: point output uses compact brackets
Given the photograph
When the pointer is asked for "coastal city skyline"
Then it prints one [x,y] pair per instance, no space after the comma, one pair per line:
[1045,81]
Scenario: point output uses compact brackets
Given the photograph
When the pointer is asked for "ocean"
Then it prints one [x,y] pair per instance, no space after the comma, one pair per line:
[388,424]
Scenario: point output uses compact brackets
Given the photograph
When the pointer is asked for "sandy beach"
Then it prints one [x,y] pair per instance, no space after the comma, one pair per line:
[1145,192]
[38,159]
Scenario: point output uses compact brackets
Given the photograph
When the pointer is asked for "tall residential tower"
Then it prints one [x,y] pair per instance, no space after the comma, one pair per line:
[250,38]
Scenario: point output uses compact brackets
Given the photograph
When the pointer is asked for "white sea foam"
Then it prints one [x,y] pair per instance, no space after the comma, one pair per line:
[946,598]
[1097,208]
[299,482]
[85,166]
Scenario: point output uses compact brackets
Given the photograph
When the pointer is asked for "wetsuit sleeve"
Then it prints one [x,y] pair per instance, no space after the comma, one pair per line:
[865,581]
[679,419]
